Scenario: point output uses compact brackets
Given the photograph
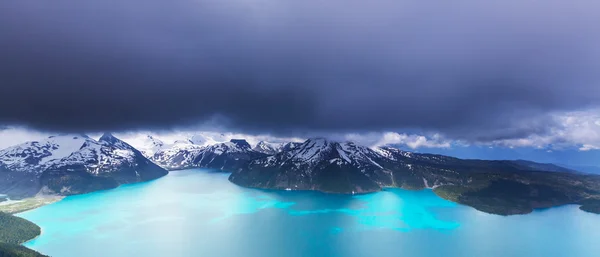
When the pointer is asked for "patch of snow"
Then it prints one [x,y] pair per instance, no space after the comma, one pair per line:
[33,156]
[124,153]
[65,146]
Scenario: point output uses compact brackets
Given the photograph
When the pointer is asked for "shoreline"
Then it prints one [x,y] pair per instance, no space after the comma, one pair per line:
[36,237]
[432,189]
[28,204]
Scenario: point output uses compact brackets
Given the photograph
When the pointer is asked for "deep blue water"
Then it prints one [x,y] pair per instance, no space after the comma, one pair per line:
[199,213]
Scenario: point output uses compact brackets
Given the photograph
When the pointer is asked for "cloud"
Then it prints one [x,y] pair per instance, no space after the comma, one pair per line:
[572,130]
[469,70]
[139,138]
[413,141]
[587,147]
[579,129]
[10,136]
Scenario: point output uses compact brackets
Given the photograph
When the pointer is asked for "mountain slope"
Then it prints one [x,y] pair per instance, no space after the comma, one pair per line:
[229,156]
[34,156]
[72,164]
[542,166]
[13,250]
[317,164]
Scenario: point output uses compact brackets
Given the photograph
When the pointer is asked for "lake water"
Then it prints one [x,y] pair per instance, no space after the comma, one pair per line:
[199,213]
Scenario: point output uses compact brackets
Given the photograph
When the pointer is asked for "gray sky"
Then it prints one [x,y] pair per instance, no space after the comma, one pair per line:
[467,69]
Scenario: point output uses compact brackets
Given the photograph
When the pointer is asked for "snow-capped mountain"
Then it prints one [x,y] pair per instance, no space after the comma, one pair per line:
[267,147]
[227,156]
[273,148]
[204,140]
[317,164]
[36,155]
[179,155]
[108,155]
[289,146]
[500,187]
[72,164]
[324,165]
[168,146]
[150,143]
[147,144]
[212,150]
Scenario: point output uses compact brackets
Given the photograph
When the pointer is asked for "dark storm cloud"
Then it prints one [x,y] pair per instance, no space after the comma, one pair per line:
[471,69]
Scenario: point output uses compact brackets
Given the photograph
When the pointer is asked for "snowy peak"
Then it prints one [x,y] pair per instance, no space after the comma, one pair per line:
[312,150]
[117,143]
[178,156]
[268,148]
[200,139]
[229,156]
[105,155]
[319,151]
[393,153]
[152,145]
[155,141]
[317,164]
[109,139]
[319,148]
[184,142]
[359,155]
[148,145]
[274,148]
[233,146]
[64,150]
[289,146]
[35,155]
[317,142]
[224,156]
[72,164]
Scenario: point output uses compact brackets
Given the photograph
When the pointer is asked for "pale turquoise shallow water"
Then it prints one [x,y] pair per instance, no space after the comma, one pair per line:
[199,213]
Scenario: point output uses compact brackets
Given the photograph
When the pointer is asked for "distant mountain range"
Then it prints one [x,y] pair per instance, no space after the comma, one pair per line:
[228,156]
[199,151]
[569,157]
[74,164]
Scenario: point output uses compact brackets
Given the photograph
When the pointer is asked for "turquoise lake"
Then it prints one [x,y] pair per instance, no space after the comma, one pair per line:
[200,213]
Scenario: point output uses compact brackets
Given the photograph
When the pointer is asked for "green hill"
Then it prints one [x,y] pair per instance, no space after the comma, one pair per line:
[13,250]
[15,231]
